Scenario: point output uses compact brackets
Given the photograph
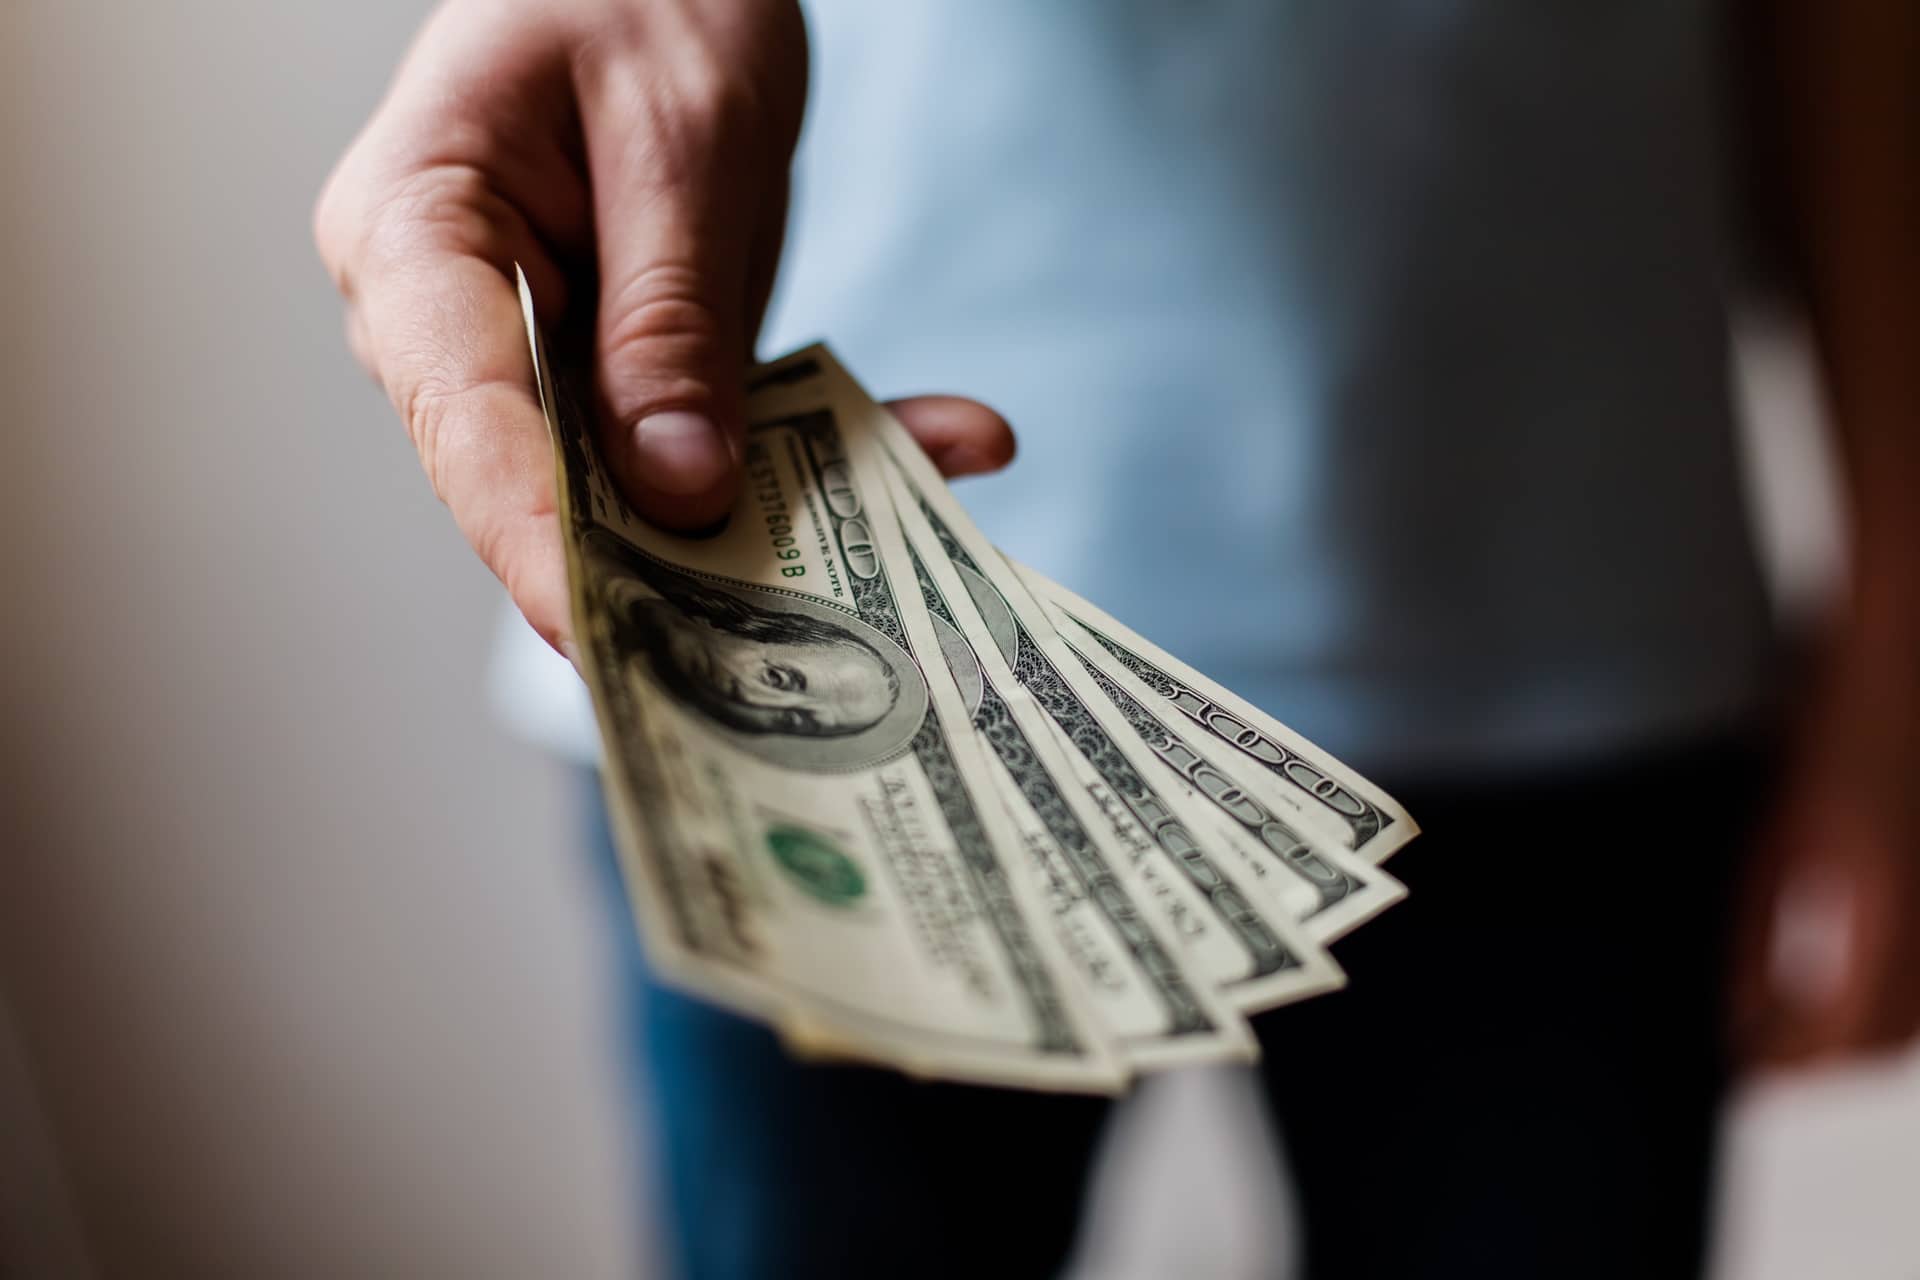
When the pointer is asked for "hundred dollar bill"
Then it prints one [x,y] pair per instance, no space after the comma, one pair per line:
[805,818]
[1215,896]
[1348,890]
[1324,795]
[1136,983]
[1211,889]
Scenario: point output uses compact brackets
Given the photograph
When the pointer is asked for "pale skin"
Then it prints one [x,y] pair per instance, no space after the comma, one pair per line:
[633,156]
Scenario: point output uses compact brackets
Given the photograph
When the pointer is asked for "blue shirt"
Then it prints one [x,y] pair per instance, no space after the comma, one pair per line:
[1371,357]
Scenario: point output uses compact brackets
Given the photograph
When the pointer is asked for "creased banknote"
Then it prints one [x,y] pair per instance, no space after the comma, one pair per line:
[807,820]
[1323,795]
[1213,890]
[1348,891]
[1134,977]
[911,804]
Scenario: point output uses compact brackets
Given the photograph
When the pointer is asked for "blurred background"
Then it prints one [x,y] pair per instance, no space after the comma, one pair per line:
[303,974]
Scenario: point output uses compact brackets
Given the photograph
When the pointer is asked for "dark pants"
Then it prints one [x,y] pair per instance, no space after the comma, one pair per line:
[1522,1079]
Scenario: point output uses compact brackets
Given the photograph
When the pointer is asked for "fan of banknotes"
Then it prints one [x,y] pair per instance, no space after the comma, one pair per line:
[911,803]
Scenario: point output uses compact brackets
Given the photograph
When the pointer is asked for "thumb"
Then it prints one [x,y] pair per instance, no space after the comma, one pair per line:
[671,360]
[675,227]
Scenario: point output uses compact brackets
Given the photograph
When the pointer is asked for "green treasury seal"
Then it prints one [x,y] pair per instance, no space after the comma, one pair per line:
[817,865]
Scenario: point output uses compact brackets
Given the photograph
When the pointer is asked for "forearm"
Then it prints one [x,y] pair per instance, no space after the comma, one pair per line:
[1849,112]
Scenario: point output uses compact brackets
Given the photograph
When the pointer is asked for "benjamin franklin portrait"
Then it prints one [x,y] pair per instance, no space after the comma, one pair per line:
[775,671]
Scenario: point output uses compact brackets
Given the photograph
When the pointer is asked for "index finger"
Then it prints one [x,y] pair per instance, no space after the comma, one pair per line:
[444,331]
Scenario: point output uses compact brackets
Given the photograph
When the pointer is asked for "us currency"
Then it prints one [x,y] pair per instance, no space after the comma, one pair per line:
[1322,794]
[1136,983]
[806,821]
[1234,920]
[1212,891]
[1348,890]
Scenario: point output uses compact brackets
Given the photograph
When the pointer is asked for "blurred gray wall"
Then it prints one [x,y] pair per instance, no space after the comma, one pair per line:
[303,967]
[302,973]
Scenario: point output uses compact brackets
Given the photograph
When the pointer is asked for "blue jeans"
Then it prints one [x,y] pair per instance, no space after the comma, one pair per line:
[1523,1078]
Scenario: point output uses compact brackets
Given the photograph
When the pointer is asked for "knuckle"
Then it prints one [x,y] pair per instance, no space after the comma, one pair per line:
[428,409]
[450,206]
[436,413]
[327,223]
[447,206]
[663,300]
[453,428]
[516,542]
[690,115]
[502,547]
[360,342]
[339,219]
[714,101]
[493,541]
[658,330]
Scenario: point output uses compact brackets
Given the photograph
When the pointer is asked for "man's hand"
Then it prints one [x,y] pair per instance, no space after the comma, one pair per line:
[1829,961]
[1831,944]
[632,155]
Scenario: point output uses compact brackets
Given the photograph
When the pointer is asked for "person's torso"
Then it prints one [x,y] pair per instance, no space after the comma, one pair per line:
[1370,357]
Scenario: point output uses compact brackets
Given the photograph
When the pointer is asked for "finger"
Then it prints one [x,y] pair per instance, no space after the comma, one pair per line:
[675,196]
[462,172]
[1808,969]
[358,342]
[763,263]
[447,340]
[1878,1009]
[1840,969]
[963,437]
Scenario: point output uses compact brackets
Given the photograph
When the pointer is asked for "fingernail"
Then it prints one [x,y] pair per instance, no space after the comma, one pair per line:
[965,460]
[680,452]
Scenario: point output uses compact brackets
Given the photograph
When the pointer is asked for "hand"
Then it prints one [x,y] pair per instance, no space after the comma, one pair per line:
[1829,958]
[638,145]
